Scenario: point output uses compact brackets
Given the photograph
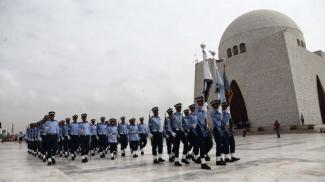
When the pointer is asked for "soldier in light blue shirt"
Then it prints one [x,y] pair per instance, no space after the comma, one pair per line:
[143,133]
[169,135]
[74,135]
[123,135]
[102,135]
[133,137]
[66,137]
[177,124]
[203,139]
[84,133]
[60,141]
[156,136]
[93,134]
[219,132]
[52,133]
[43,138]
[112,133]
[192,135]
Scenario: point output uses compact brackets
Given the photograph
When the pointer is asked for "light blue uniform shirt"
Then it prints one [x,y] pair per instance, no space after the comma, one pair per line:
[112,134]
[225,119]
[201,120]
[192,122]
[167,127]
[65,130]
[142,129]
[154,124]
[177,121]
[133,133]
[60,131]
[216,118]
[102,129]
[185,123]
[52,127]
[123,129]
[84,129]
[74,128]
[93,129]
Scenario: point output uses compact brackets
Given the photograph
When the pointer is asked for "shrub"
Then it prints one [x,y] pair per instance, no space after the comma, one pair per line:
[260,129]
[293,127]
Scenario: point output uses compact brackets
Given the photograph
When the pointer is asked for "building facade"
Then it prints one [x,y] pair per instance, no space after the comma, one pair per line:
[273,76]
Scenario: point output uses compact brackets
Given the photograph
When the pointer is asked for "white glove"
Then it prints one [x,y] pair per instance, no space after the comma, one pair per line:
[40,139]
[205,107]
[167,136]
[174,134]
[150,135]
[69,137]
[97,137]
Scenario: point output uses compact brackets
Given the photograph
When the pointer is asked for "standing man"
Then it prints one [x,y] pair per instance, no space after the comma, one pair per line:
[177,124]
[123,133]
[218,131]
[191,125]
[202,132]
[302,119]
[143,134]
[43,138]
[169,135]
[133,137]
[74,135]
[276,127]
[232,143]
[66,137]
[52,133]
[155,133]
[93,134]
[102,135]
[84,132]
[112,134]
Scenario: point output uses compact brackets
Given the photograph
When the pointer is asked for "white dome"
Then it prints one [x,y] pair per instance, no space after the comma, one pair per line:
[257,20]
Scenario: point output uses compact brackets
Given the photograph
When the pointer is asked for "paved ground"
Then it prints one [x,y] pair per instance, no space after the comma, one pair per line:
[294,157]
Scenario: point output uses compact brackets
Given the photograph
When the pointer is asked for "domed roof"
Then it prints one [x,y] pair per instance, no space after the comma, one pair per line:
[258,19]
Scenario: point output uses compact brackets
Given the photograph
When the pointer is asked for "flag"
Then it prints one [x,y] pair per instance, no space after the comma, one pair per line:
[207,77]
[220,89]
[228,92]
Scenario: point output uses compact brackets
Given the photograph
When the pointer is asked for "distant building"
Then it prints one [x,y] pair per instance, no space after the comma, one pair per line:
[272,74]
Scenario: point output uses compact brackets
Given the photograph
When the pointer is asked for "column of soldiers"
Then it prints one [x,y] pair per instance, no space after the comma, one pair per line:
[49,138]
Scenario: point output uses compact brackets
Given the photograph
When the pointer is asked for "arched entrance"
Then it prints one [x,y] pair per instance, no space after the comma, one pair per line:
[321,98]
[237,106]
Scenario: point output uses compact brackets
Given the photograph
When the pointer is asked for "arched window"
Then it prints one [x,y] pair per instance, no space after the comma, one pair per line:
[229,54]
[303,44]
[298,42]
[242,48]
[235,50]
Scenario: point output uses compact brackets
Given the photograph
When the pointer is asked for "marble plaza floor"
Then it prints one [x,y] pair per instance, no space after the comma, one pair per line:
[293,157]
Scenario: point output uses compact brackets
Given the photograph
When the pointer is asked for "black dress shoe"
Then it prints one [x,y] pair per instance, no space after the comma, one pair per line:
[205,166]
[93,154]
[49,163]
[72,158]
[123,154]
[135,156]
[112,158]
[53,161]
[228,160]
[155,161]
[102,156]
[83,160]
[178,164]
[189,156]
[220,163]
[233,159]
[185,161]
[207,158]
[142,153]
[171,159]
[161,160]
[44,160]
[198,161]
[86,160]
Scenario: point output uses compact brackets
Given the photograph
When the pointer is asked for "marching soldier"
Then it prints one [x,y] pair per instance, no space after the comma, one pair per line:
[169,135]
[52,133]
[102,135]
[60,138]
[155,134]
[123,133]
[133,137]
[43,138]
[202,132]
[231,142]
[93,134]
[191,135]
[74,135]
[66,137]
[219,132]
[112,133]
[177,123]
[143,133]
[84,133]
